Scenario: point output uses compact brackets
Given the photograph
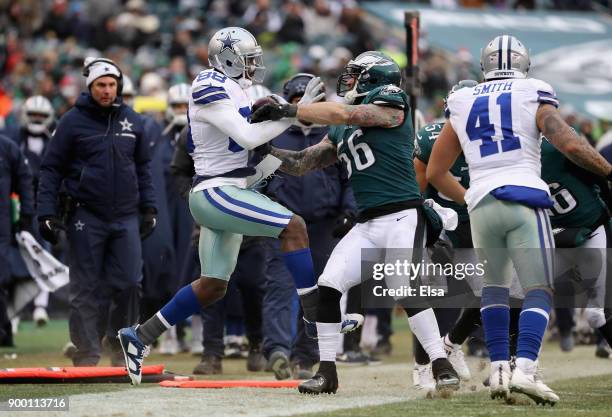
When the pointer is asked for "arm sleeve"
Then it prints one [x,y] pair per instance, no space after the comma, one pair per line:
[181,166]
[54,167]
[142,158]
[222,114]
[22,180]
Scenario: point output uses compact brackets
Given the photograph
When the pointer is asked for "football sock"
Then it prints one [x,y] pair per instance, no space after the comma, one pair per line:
[329,337]
[299,264]
[495,313]
[532,323]
[606,331]
[183,304]
[328,323]
[425,327]
[465,325]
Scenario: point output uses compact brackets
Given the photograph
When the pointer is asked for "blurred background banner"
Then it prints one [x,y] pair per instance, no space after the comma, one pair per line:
[580,70]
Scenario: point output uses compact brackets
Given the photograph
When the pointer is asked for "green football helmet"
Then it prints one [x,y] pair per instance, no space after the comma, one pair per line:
[366,72]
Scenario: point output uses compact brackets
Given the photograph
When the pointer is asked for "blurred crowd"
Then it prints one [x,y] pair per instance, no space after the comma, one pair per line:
[160,43]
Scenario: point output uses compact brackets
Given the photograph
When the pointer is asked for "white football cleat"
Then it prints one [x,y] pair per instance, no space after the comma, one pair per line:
[499,379]
[533,387]
[351,322]
[422,379]
[457,359]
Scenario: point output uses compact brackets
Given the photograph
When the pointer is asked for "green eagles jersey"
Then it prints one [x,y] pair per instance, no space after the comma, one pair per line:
[576,202]
[425,140]
[379,160]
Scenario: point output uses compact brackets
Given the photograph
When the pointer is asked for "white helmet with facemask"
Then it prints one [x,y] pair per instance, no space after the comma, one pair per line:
[37,115]
[177,94]
[235,52]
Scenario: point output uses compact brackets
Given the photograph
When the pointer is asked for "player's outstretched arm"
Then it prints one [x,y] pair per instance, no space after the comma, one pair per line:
[330,113]
[314,157]
[443,155]
[564,138]
[364,115]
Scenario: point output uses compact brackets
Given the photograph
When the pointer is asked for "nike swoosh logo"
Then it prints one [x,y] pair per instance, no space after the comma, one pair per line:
[398,219]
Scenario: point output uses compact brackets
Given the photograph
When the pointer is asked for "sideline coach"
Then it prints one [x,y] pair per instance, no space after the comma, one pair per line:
[100,159]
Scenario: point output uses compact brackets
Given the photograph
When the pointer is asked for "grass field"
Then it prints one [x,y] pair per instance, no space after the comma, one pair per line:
[583,382]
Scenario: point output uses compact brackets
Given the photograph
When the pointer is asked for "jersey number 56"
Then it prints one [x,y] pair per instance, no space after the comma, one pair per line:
[361,153]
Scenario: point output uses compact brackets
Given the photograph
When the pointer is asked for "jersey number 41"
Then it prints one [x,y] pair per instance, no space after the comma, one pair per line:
[478,126]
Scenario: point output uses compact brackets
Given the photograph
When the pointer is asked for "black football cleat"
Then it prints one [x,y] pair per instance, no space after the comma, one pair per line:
[445,375]
[325,381]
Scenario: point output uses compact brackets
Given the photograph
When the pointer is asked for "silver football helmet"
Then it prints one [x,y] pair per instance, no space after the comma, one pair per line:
[235,52]
[504,57]
[177,94]
[37,115]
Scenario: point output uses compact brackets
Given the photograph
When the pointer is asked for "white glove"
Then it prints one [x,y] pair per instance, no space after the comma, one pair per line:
[315,91]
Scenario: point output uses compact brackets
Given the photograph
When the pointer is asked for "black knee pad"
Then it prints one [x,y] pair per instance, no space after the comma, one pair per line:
[328,310]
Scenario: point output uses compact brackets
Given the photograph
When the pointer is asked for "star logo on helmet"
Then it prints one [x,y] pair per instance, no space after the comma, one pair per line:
[228,42]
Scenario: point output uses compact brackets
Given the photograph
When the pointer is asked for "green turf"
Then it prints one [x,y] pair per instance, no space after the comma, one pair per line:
[588,397]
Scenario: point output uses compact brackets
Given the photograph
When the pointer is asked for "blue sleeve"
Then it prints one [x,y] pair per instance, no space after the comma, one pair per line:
[54,166]
[22,180]
[143,163]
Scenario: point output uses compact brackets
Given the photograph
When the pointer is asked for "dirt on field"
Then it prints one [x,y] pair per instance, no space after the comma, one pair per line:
[359,386]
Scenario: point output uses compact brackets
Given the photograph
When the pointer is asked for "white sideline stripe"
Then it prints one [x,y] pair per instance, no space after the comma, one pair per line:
[245,211]
[163,320]
[536,310]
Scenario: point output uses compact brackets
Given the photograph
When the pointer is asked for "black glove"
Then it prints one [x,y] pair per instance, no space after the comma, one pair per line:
[49,228]
[148,223]
[344,223]
[273,111]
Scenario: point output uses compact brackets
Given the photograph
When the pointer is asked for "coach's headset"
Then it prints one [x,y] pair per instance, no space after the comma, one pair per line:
[87,68]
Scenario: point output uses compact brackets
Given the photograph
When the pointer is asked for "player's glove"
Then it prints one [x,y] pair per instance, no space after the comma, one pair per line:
[50,228]
[148,222]
[273,111]
[314,91]
[344,223]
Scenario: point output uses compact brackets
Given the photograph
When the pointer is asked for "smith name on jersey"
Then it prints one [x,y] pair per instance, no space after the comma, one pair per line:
[379,160]
[213,152]
[496,125]
[425,139]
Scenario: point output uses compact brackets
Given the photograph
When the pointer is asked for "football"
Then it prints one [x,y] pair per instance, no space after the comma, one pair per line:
[263,101]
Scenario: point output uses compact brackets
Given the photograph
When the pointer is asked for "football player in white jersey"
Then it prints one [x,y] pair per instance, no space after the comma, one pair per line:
[219,139]
[497,125]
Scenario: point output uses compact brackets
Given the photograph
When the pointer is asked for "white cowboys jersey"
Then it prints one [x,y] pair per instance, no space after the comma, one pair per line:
[213,152]
[496,125]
